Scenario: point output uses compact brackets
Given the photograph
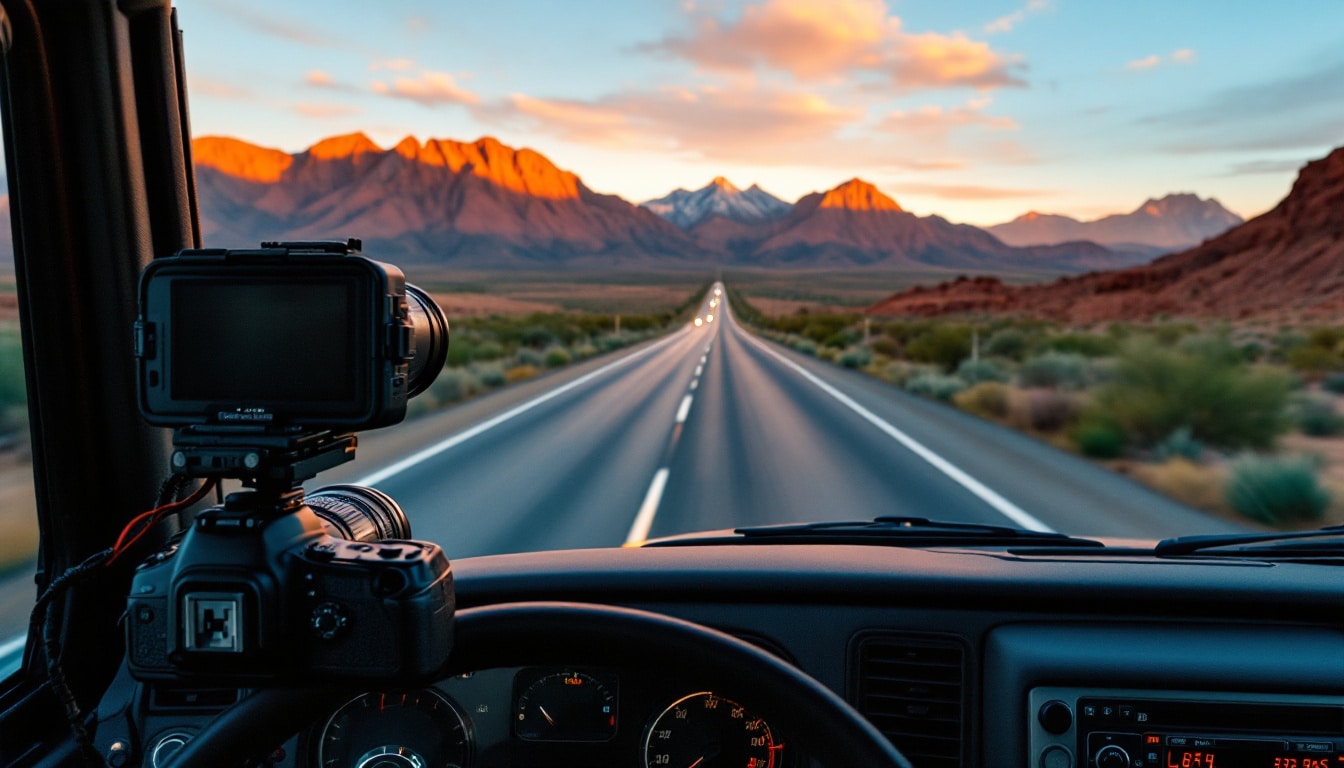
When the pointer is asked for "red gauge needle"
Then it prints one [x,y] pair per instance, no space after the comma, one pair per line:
[698,761]
[547,715]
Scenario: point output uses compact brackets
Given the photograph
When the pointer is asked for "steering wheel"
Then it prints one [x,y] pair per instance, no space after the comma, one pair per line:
[540,633]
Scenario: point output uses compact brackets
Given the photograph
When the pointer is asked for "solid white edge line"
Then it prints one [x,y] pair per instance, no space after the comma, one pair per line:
[639,529]
[684,410]
[1005,507]
[461,437]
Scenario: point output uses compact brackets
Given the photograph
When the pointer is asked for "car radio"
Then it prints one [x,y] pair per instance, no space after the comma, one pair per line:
[1114,728]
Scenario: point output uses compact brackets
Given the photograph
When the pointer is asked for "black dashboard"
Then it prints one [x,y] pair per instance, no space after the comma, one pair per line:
[956,655]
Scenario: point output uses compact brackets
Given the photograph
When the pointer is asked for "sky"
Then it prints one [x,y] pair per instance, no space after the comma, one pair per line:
[976,110]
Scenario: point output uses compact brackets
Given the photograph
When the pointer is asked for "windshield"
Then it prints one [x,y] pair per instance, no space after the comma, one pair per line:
[1053,265]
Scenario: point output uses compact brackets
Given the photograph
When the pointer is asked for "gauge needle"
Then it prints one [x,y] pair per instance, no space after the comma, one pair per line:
[547,715]
[698,761]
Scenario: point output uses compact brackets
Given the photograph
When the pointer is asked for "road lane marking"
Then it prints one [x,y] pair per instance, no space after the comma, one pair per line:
[694,383]
[986,494]
[639,529]
[703,359]
[684,410]
[699,369]
[422,455]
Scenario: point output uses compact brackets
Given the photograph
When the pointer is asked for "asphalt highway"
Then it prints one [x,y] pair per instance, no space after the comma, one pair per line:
[712,428]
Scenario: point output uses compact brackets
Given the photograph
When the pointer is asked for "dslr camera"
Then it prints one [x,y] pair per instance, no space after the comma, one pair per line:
[264,362]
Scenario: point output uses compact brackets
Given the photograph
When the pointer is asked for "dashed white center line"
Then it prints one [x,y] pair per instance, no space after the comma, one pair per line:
[684,410]
[694,383]
[639,530]
[699,369]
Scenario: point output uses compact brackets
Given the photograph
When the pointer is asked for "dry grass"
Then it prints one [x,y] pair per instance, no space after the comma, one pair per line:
[1193,484]
[482,304]
[777,307]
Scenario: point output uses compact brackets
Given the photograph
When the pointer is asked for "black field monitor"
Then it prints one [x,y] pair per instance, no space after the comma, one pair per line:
[310,336]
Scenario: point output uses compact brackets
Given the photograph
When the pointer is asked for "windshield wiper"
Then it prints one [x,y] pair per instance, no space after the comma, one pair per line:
[1321,542]
[894,531]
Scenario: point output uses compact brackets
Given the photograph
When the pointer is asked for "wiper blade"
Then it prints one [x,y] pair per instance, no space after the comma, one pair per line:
[897,531]
[1294,543]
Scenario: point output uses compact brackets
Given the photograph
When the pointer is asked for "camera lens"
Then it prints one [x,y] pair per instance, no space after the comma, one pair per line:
[359,514]
[431,340]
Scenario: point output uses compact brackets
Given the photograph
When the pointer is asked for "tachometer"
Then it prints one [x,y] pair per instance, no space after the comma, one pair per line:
[564,706]
[411,729]
[703,730]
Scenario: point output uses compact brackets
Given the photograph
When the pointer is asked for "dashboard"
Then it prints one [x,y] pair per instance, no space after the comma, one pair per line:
[962,657]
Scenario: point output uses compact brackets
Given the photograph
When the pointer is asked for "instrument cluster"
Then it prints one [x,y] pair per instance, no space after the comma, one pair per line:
[540,716]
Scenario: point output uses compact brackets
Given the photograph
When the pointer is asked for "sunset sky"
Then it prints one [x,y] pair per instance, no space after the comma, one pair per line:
[977,111]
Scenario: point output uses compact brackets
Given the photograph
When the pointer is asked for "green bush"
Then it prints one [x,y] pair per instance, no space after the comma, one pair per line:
[557,357]
[1099,438]
[1054,370]
[1085,344]
[490,374]
[934,385]
[987,399]
[805,346]
[488,350]
[1276,490]
[1156,391]
[1009,342]
[1316,416]
[884,346]
[977,371]
[1311,359]
[942,345]
[529,357]
[454,384]
[1180,444]
[856,357]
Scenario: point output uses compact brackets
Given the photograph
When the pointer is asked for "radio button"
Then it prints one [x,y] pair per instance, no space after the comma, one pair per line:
[1055,717]
[1056,757]
[1111,756]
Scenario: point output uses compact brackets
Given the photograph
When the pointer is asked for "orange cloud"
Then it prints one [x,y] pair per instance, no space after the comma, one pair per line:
[430,89]
[1005,24]
[1182,56]
[319,79]
[326,110]
[835,39]
[1147,62]
[218,89]
[934,123]
[395,65]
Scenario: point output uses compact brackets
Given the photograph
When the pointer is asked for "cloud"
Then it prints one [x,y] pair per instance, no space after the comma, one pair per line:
[285,29]
[934,123]
[971,191]
[326,110]
[430,89]
[218,89]
[831,40]
[1256,167]
[1182,56]
[394,65]
[733,123]
[1005,24]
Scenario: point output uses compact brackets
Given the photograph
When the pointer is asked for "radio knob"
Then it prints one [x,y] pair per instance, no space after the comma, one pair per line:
[1111,756]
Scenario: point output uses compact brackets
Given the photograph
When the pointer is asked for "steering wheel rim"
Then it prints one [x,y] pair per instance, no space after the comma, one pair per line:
[542,633]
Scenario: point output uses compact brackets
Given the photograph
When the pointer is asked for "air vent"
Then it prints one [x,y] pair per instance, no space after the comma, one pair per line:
[193,698]
[910,687]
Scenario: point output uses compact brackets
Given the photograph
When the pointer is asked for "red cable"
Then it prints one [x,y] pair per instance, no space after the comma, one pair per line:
[153,516]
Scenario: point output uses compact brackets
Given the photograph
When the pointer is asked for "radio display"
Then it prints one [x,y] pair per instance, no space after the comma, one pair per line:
[1185,752]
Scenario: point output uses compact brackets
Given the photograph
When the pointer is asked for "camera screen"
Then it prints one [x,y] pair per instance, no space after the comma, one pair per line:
[263,342]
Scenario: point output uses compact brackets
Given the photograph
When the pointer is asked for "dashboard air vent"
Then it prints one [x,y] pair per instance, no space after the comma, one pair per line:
[910,687]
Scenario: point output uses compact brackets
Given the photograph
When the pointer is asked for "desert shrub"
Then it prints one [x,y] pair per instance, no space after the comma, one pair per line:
[1316,416]
[489,374]
[1333,383]
[488,350]
[1009,342]
[1326,338]
[1191,483]
[538,337]
[934,385]
[529,357]
[1214,349]
[584,351]
[557,357]
[883,345]
[829,354]
[856,357]
[1157,391]
[1313,359]
[986,399]
[454,384]
[1100,438]
[1049,410]
[942,345]
[897,371]
[1085,344]
[805,346]
[519,373]
[977,371]
[1180,444]
[1054,370]
[1276,490]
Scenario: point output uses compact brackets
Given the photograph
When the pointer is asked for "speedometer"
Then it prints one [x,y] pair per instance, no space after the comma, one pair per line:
[410,729]
[703,730]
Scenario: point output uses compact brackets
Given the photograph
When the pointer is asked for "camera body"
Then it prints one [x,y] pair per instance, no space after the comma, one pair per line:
[308,336]
[251,600]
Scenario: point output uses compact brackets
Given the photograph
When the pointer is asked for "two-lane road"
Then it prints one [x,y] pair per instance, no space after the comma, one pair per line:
[711,428]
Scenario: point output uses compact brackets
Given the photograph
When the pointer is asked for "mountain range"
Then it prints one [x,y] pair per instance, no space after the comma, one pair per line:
[1286,262]
[485,204]
[1173,222]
